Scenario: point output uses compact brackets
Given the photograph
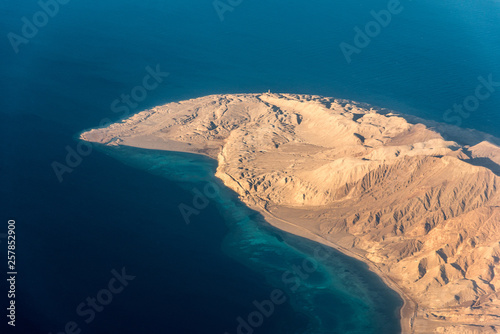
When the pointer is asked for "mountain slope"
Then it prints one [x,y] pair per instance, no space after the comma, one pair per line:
[421,207]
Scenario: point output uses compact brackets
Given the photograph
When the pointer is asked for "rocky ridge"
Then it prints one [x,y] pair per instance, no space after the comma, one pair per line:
[418,200]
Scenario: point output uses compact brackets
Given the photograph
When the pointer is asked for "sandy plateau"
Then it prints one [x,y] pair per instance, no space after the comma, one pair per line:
[417,201]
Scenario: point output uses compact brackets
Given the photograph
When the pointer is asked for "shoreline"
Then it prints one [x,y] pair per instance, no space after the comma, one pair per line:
[251,159]
[408,310]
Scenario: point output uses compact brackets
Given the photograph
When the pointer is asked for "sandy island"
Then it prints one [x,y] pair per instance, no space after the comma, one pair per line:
[416,200]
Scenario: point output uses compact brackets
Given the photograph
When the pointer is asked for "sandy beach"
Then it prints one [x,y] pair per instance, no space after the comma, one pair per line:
[415,201]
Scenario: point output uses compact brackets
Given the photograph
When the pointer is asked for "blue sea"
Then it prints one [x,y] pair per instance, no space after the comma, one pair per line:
[104,247]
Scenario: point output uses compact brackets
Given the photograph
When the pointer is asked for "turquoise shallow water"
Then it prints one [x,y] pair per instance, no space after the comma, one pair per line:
[336,294]
[199,278]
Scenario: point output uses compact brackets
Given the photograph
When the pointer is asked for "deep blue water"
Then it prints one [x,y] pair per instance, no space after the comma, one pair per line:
[106,215]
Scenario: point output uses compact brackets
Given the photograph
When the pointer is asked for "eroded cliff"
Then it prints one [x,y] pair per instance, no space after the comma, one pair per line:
[420,202]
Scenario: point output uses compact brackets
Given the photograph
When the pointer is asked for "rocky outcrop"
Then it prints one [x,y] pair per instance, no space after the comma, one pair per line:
[420,202]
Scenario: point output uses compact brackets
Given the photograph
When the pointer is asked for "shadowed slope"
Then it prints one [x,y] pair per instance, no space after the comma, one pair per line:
[421,207]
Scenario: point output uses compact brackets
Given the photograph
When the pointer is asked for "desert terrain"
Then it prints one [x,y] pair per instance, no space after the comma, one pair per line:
[416,200]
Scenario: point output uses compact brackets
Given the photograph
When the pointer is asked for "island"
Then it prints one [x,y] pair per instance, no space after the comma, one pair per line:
[416,200]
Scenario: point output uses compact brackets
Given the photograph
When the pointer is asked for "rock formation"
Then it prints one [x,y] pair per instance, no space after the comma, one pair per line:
[416,199]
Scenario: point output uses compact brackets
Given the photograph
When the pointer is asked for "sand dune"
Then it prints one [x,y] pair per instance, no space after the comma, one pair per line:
[417,200]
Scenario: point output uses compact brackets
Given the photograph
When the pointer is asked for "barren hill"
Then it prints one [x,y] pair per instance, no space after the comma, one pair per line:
[420,203]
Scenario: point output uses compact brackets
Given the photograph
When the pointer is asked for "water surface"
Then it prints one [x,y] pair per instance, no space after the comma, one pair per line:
[106,215]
